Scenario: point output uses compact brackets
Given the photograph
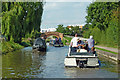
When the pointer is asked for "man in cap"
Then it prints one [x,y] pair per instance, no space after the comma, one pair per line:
[91,43]
[80,43]
[73,43]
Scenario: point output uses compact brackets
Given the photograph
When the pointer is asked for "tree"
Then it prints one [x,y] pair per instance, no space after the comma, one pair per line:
[60,28]
[99,14]
[20,19]
[102,22]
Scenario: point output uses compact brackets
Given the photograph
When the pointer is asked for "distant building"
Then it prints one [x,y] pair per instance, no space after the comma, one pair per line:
[48,30]
[80,26]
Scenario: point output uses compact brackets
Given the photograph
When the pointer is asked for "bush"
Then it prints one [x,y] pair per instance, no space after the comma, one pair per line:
[86,34]
[111,36]
[10,46]
[66,40]
[103,38]
[96,33]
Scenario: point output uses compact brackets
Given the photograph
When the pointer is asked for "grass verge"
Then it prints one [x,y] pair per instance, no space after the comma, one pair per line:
[66,40]
[10,46]
[106,50]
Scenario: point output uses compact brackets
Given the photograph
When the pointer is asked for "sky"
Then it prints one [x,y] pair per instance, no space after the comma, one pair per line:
[66,13]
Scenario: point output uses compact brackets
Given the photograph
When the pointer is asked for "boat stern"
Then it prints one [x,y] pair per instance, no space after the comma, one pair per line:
[70,62]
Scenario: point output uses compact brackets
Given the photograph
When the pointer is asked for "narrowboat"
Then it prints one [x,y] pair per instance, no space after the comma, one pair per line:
[39,44]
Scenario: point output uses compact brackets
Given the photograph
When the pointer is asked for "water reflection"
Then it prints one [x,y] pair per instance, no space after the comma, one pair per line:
[22,64]
[33,64]
[108,64]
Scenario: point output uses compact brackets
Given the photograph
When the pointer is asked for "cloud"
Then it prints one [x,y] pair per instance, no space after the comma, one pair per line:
[64,13]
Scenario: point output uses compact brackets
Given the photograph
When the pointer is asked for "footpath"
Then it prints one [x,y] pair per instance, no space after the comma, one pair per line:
[108,48]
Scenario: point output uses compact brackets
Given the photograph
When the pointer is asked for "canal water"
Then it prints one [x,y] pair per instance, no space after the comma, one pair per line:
[28,64]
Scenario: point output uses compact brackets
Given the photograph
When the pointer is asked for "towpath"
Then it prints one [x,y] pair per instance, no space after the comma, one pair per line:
[108,48]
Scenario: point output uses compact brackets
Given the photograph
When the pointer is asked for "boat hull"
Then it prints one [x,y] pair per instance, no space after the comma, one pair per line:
[81,62]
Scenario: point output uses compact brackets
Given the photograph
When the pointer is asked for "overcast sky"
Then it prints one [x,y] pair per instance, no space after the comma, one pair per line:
[66,13]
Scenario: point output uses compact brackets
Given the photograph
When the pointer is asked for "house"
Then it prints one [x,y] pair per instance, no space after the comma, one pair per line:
[80,26]
[48,30]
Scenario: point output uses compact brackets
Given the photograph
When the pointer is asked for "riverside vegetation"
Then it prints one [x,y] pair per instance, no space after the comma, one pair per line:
[20,21]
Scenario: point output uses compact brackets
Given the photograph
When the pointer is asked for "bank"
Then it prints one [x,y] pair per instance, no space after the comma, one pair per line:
[108,54]
[10,46]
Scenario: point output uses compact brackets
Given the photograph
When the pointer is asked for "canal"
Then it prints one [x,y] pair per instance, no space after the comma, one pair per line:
[26,64]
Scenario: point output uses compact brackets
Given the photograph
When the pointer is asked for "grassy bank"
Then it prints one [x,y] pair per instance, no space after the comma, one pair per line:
[106,50]
[10,46]
[66,40]
[106,45]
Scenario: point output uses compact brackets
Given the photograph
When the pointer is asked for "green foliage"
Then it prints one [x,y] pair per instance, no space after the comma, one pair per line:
[20,19]
[66,40]
[86,33]
[97,34]
[54,37]
[102,23]
[67,31]
[112,32]
[35,34]
[103,38]
[75,30]
[61,29]
[99,14]
[25,44]
[10,46]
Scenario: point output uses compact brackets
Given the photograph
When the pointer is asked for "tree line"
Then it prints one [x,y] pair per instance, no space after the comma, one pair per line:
[68,31]
[21,19]
[102,22]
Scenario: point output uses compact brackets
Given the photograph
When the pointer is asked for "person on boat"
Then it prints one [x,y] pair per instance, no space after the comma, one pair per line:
[80,43]
[73,43]
[86,46]
[60,41]
[90,42]
[93,50]
[56,41]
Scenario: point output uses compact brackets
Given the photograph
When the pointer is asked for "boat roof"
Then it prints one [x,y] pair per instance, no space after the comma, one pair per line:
[39,40]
